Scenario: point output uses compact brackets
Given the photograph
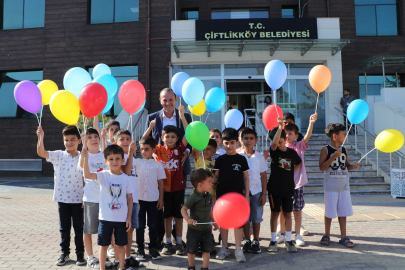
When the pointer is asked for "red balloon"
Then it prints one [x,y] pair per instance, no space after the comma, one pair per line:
[132,95]
[231,210]
[92,99]
[270,116]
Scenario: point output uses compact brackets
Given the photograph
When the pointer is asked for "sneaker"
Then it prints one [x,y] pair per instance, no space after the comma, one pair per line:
[133,251]
[290,246]
[93,264]
[108,263]
[110,251]
[256,246]
[62,259]
[272,247]
[299,241]
[280,238]
[154,253]
[80,259]
[191,268]
[240,257]
[247,245]
[180,248]
[132,263]
[303,231]
[223,253]
[140,256]
[125,268]
[167,248]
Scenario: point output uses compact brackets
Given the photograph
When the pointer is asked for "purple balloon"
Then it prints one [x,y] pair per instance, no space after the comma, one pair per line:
[28,96]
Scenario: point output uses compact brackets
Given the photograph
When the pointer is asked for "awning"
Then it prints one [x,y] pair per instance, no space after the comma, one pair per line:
[270,45]
[384,60]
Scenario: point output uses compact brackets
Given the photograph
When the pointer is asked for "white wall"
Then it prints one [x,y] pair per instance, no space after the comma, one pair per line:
[394,96]
[370,121]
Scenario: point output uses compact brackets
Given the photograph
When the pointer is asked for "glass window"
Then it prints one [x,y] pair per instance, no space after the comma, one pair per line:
[289,12]
[189,14]
[19,14]
[244,70]
[387,20]
[375,83]
[198,70]
[239,13]
[301,69]
[126,10]
[110,11]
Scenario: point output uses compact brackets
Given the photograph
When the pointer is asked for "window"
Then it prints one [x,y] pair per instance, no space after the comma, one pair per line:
[375,83]
[376,17]
[198,70]
[19,14]
[289,12]
[239,13]
[191,14]
[121,74]
[112,11]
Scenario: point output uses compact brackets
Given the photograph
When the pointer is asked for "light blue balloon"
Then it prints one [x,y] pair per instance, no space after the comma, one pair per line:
[107,107]
[141,108]
[233,119]
[109,82]
[357,111]
[75,79]
[193,91]
[215,99]
[275,74]
[177,82]
[101,69]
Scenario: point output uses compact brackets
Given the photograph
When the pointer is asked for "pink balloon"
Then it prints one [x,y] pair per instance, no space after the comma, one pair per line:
[132,95]
[28,96]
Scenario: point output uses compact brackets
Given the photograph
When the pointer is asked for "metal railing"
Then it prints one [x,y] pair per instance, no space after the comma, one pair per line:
[259,127]
[136,126]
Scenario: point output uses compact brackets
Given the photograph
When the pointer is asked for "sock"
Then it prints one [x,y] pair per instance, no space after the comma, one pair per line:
[273,236]
[128,258]
[89,258]
[115,261]
[288,236]
[168,239]
[282,233]
[178,239]
[237,248]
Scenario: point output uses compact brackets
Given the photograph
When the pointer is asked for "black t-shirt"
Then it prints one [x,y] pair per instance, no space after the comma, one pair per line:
[300,137]
[231,168]
[281,180]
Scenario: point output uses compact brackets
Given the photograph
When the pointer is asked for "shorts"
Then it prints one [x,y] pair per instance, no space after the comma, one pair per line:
[299,202]
[173,202]
[277,201]
[90,218]
[256,211]
[134,216]
[105,231]
[338,204]
[197,237]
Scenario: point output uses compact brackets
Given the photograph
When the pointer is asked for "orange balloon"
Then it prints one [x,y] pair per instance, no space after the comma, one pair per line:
[319,78]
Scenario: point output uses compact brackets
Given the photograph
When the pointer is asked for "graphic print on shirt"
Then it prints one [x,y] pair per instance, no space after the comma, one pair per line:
[236,167]
[338,166]
[171,165]
[284,163]
[209,166]
[115,191]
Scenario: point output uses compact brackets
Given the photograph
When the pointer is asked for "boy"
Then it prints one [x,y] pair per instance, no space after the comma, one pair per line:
[281,186]
[170,156]
[289,118]
[239,149]
[334,161]
[151,178]
[216,135]
[115,203]
[257,187]
[68,190]
[111,127]
[200,205]
[231,175]
[206,161]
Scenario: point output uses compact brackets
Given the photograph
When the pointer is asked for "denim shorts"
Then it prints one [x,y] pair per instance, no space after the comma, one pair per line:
[106,229]
[134,217]
[256,211]
[196,238]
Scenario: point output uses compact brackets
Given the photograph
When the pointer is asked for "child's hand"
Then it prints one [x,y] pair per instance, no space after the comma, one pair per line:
[280,122]
[191,222]
[262,199]
[247,198]
[155,157]
[313,118]
[128,224]
[40,132]
[337,153]
[181,111]
[160,204]
[85,153]
[215,226]
[266,154]
[132,148]
[152,123]
[104,133]
[356,166]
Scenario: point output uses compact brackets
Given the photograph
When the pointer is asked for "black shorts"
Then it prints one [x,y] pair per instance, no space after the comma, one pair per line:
[196,237]
[173,202]
[105,231]
[277,201]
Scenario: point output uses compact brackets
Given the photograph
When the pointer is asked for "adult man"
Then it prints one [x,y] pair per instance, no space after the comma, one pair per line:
[344,103]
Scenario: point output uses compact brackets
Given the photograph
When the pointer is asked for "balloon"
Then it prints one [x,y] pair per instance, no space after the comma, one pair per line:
[233,119]
[48,88]
[65,107]
[101,69]
[143,106]
[231,211]
[215,99]
[270,116]
[93,99]
[75,79]
[389,141]
[28,96]
[131,96]
[198,135]
[177,82]
[193,91]
[275,74]
[357,111]
[198,109]
[319,78]
[109,105]
[109,82]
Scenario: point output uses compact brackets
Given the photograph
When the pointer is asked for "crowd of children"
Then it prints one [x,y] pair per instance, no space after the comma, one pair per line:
[106,191]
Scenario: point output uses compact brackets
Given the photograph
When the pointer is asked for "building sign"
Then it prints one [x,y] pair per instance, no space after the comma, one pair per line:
[257,29]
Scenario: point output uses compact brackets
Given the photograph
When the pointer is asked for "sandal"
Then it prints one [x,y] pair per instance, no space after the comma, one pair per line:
[326,239]
[346,241]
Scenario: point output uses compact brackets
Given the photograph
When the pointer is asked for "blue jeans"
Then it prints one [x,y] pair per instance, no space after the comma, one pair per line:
[149,208]
[256,211]
[67,213]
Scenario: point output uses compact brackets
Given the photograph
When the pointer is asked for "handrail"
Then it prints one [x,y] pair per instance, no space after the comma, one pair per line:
[259,127]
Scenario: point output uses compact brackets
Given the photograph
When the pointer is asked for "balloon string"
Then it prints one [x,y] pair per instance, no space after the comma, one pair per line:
[267,136]
[179,115]
[40,136]
[132,128]
[202,155]
[102,117]
[205,223]
[207,118]
[192,120]
[316,109]
[347,134]
[129,122]
[200,118]
[366,154]
[40,119]
[275,102]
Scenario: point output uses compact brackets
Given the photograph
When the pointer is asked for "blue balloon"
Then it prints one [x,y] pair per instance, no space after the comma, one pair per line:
[275,74]
[177,82]
[75,79]
[357,111]
[141,108]
[101,69]
[107,107]
[193,91]
[233,119]
[215,99]
[109,82]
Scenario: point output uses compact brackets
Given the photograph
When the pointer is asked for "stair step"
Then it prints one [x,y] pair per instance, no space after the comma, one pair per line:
[353,192]
[353,187]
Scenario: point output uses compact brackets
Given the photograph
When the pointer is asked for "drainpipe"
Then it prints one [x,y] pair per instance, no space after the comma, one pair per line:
[327,7]
[147,58]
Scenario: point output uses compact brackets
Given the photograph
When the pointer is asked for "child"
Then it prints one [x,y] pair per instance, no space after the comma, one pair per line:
[115,203]
[231,175]
[170,156]
[111,127]
[240,148]
[216,135]
[289,118]
[257,186]
[300,178]
[281,186]
[151,178]
[68,190]
[334,161]
[200,205]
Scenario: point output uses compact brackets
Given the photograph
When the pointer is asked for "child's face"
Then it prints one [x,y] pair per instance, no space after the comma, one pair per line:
[111,131]
[288,121]
[170,139]
[147,151]
[114,161]
[291,136]
[281,144]
[230,146]
[208,152]
[93,142]
[123,141]
[206,185]
[249,141]
[71,142]
[340,137]
[217,137]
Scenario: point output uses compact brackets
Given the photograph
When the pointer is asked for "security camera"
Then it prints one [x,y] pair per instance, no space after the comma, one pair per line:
[249,77]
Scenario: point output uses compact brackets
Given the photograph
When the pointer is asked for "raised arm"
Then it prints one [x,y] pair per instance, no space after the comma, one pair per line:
[95,124]
[276,138]
[185,124]
[86,169]
[196,153]
[312,120]
[40,145]
[152,124]
[127,168]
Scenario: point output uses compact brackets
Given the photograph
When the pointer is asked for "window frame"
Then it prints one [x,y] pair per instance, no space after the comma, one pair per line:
[113,22]
[23,17]
[188,10]
[239,9]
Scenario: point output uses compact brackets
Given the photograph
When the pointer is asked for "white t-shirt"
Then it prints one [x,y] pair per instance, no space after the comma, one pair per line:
[113,196]
[257,165]
[68,179]
[134,179]
[219,152]
[149,172]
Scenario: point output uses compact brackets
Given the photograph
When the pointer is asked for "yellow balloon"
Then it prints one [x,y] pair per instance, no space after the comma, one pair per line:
[65,107]
[389,141]
[48,88]
[198,109]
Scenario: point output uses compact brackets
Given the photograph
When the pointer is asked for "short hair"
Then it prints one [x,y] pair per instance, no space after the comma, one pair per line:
[288,115]
[113,150]
[91,130]
[216,131]
[229,134]
[149,141]
[274,131]
[120,132]
[170,129]
[346,89]
[334,129]
[241,130]
[199,176]
[213,143]
[247,131]
[71,130]
[292,127]
[112,122]
[168,90]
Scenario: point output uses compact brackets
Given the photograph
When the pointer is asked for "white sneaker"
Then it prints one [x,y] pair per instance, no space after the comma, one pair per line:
[240,257]
[110,251]
[303,231]
[223,253]
[93,264]
[299,241]
[280,238]
[278,229]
